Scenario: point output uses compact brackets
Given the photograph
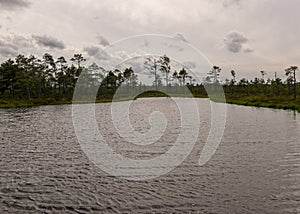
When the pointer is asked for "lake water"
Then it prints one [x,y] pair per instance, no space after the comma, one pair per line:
[256,168]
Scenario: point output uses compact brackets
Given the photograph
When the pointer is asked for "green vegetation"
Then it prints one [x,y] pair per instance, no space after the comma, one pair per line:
[30,81]
[260,93]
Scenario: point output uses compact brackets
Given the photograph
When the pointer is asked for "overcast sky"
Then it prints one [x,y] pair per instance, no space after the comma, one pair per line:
[244,35]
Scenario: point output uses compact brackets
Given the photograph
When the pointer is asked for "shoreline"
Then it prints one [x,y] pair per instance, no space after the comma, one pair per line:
[258,104]
[11,104]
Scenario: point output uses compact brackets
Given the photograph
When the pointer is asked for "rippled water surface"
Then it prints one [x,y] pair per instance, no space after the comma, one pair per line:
[256,169]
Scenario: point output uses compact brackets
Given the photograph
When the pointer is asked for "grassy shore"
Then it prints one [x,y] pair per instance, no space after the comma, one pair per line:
[9,103]
[44,102]
[280,102]
[257,101]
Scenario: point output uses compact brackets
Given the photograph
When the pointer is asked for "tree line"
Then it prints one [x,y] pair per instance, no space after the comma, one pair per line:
[38,78]
[31,77]
[263,86]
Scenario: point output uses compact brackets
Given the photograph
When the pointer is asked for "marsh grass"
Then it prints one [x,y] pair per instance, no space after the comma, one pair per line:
[277,102]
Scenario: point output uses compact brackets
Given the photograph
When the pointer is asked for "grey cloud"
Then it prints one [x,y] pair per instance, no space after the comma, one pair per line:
[11,44]
[21,41]
[234,41]
[248,50]
[146,43]
[179,48]
[49,42]
[7,49]
[13,4]
[102,55]
[91,50]
[190,65]
[138,68]
[228,3]
[179,36]
[137,64]
[8,52]
[103,41]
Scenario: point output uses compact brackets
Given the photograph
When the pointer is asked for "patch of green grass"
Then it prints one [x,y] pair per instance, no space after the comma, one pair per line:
[279,102]
[285,103]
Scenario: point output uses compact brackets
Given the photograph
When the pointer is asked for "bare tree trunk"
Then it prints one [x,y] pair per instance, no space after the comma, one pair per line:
[156,84]
[295,86]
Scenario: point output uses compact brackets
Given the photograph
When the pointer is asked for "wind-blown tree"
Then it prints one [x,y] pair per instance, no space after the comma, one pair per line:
[233,74]
[8,73]
[276,84]
[120,77]
[152,65]
[263,74]
[175,77]
[49,68]
[78,58]
[61,61]
[97,73]
[190,80]
[130,77]
[243,83]
[127,75]
[71,77]
[50,73]
[37,75]
[134,80]
[25,82]
[214,74]
[232,82]
[165,67]
[111,80]
[183,74]
[61,78]
[291,74]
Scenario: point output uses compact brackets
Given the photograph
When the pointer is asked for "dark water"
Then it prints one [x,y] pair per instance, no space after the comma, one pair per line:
[256,169]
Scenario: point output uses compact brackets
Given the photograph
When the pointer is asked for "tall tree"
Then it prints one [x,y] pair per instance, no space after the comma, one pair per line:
[263,74]
[23,76]
[175,77]
[130,77]
[8,73]
[152,65]
[61,78]
[127,75]
[233,74]
[291,74]
[183,74]
[165,67]
[78,58]
[214,74]
[49,67]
